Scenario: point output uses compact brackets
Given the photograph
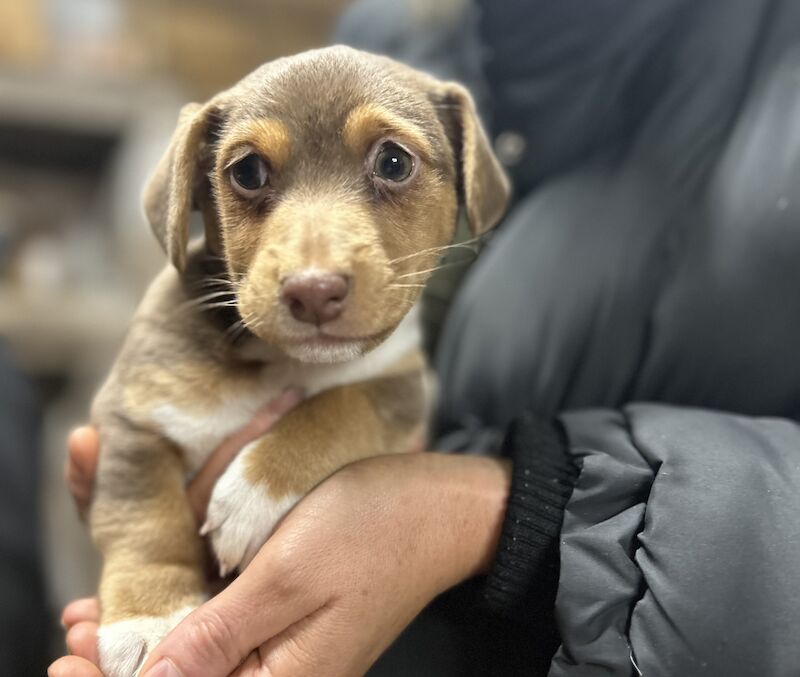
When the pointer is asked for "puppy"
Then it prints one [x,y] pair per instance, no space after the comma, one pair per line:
[328,184]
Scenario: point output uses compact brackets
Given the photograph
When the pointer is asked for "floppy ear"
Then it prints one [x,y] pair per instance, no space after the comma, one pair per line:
[483,185]
[180,185]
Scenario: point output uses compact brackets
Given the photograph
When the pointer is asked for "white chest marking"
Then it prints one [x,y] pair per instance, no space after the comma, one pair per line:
[198,435]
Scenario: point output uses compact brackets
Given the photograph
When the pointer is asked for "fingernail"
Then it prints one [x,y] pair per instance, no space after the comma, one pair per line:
[292,395]
[164,668]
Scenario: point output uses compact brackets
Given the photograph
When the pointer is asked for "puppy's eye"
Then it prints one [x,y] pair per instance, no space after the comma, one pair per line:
[249,175]
[393,163]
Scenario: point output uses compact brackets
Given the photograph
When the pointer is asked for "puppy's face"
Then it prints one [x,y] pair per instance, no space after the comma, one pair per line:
[329,182]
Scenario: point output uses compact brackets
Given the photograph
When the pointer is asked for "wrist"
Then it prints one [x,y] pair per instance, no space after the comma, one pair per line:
[477,489]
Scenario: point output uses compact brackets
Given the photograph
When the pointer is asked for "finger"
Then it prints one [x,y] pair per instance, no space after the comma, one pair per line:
[81,465]
[250,668]
[323,643]
[417,444]
[259,604]
[82,641]
[199,489]
[84,448]
[86,609]
[72,666]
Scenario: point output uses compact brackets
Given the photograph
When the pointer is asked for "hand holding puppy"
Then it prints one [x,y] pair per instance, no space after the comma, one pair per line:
[346,571]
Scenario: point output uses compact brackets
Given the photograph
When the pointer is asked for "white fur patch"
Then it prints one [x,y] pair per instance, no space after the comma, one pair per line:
[198,434]
[125,645]
[405,338]
[241,516]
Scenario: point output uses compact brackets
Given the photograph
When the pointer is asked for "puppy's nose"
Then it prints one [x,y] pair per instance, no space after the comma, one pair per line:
[315,298]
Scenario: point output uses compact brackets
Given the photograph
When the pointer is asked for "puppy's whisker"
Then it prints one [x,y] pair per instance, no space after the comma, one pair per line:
[213,294]
[235,331]
[466,244]
[233,327]
[213,287]
[405,286]
[214,257]
[193,304]
[221,304]
[211,281]
[441,266]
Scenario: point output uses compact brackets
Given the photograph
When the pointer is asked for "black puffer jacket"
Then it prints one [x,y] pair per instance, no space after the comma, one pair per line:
[630,337]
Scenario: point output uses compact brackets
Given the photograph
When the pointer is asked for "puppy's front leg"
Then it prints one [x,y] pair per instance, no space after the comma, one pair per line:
[140,519]
[310,443]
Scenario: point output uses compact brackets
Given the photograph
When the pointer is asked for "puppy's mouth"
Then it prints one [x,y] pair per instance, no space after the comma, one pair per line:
[322,335]
[322,346]
[322,339]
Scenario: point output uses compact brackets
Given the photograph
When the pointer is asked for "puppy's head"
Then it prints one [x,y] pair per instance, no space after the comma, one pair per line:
[328,182]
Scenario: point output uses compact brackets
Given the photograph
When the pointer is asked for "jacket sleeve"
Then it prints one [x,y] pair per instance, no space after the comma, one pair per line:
[678,542]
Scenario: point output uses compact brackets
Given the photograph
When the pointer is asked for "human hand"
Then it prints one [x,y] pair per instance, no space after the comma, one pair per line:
[348,568]
[81,617]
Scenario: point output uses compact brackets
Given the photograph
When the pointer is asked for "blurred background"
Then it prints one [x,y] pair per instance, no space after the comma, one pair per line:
[653,148]
[89,94]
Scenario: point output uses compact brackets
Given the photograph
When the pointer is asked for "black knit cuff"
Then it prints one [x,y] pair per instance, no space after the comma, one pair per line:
[524,578]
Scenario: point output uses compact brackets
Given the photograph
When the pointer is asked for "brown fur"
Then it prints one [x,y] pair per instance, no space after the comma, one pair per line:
[315,119]
[313,441]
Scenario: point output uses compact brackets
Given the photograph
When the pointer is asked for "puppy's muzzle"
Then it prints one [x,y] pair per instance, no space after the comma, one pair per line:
[315,297]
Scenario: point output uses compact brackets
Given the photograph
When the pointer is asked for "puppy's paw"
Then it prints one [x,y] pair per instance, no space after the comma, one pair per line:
[124,645]
[241,516]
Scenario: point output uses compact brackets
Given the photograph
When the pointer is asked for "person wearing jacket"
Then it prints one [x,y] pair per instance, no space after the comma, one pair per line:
[622,358]
[631,333]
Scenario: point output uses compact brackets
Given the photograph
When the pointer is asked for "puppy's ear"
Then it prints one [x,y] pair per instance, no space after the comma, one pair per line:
[180,184]
[483,185]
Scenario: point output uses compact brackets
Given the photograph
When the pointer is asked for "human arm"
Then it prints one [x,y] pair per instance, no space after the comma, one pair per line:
[350,566]
[81,617]
[372,545]
[674,546]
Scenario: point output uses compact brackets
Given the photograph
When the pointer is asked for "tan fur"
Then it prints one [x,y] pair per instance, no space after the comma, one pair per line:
[144,528]
[313,441]
[212,340]
[186,384]
[367,123]
[269,137]
[486,186]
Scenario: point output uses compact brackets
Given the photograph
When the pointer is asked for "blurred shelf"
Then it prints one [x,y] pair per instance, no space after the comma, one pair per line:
[63,101]
[58,333]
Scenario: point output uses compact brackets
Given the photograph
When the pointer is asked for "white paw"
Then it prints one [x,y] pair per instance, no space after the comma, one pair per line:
[124,646]
[241,516]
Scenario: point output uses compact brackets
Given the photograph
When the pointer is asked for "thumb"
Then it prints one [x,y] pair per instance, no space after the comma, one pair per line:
[81,464]
[217,636]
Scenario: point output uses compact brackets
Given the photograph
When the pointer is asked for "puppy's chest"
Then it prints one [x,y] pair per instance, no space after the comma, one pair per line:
[200,410]
[199,428]
[199,421]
